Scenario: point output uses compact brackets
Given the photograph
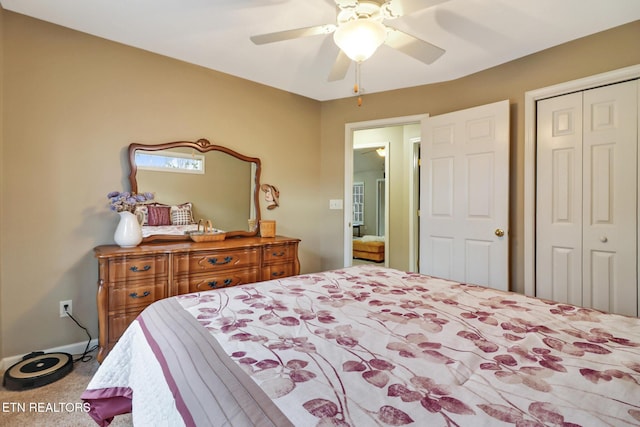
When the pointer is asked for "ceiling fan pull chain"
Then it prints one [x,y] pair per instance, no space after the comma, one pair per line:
[357,88]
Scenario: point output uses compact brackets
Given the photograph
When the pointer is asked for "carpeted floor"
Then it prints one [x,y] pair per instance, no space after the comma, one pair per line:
[56,404]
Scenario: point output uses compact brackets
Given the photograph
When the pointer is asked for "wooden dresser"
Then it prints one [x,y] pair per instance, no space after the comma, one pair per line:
[129,279]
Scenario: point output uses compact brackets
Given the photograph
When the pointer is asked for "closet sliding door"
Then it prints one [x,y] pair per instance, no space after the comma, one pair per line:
[586,202]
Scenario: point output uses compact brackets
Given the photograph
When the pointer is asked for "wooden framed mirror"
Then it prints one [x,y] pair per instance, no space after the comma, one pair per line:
[221,185]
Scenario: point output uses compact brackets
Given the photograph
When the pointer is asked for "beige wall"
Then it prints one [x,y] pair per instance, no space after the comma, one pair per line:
[369,178]
[73,103]
[613,49]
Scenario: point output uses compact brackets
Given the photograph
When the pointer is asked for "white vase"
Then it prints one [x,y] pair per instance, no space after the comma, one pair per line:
[128,232]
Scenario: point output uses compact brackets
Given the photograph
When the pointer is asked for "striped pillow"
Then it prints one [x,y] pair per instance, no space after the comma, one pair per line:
[159,215]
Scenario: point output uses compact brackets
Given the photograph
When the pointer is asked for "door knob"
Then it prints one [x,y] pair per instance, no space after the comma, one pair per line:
[499,232]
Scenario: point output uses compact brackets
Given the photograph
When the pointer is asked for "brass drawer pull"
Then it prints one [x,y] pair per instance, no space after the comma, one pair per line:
[214,261]
[135,294]
[277,273]
[135,269]
[278,253]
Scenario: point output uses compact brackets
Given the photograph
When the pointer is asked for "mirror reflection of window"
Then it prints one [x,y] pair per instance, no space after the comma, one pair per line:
[170,161]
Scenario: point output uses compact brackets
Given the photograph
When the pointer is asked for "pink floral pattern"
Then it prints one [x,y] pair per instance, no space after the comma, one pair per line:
[374,346]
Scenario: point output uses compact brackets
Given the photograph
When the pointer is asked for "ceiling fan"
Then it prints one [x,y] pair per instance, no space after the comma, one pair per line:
[360,28]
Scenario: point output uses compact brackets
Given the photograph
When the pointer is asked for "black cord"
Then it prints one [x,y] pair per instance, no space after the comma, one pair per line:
[85,356]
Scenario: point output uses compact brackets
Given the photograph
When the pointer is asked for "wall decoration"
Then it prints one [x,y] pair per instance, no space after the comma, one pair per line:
[271,196]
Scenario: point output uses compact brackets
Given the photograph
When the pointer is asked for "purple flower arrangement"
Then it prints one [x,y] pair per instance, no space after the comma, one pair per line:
[127,201]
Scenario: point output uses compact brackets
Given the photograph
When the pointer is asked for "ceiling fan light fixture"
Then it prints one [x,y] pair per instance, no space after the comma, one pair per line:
[359,38]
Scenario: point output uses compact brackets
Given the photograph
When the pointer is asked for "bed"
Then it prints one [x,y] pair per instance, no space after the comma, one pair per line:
[172,230]
[370,248]
[367,345]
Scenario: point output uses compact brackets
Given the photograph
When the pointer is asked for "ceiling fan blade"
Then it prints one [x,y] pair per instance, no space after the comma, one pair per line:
[340,67]
[346,3]
[293,34]
[397,8]
[419,49]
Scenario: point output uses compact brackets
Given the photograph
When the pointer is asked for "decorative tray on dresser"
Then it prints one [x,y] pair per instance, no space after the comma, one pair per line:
[129,279]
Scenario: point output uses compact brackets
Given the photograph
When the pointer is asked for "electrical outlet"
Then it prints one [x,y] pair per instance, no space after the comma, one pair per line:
[69,305]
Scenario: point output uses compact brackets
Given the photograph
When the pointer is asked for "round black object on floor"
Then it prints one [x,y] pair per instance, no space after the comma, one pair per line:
[37,369]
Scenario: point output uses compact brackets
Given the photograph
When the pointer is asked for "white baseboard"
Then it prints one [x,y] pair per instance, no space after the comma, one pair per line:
[75,348]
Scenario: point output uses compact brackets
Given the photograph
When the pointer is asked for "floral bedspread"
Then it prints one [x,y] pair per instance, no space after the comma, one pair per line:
[366,346]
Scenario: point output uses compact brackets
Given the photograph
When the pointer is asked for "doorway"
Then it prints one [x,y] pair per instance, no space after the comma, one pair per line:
[369,200]
[399,228]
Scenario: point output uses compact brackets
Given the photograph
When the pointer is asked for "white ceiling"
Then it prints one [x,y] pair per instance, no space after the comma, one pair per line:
[477,34]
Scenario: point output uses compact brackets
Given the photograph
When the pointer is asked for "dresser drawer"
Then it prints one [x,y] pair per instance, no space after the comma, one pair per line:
[277,271]
[197,262]
[278,253]
[216,281]
[137,268]
[133,296]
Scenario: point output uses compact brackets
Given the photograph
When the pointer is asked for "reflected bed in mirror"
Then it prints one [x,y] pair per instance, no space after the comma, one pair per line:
[220,184]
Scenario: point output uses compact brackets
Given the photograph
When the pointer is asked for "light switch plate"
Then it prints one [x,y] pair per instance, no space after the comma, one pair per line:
[335,204]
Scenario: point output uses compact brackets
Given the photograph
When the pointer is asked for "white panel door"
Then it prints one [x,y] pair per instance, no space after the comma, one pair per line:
[610,197]
[559,199]
[465,196]
[586,221]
